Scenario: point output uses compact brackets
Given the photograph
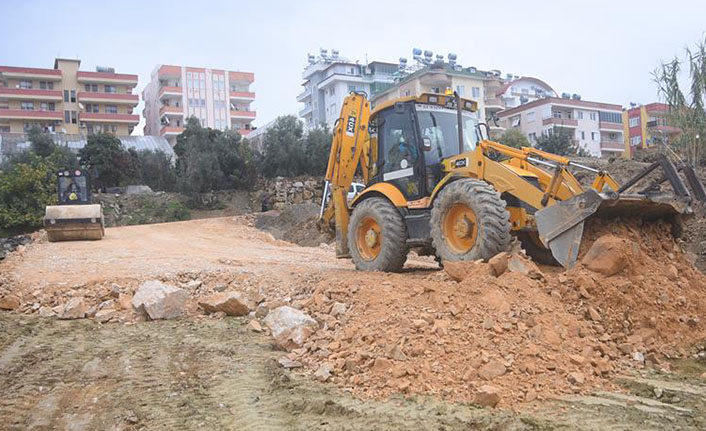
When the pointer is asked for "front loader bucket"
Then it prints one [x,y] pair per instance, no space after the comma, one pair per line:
[74,222]
[560,226]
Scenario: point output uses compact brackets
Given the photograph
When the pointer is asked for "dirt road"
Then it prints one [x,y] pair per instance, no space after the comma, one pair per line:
[200,372]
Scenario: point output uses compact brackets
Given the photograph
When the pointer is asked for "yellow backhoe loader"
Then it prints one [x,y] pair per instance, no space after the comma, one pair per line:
[75,218]
[433,182]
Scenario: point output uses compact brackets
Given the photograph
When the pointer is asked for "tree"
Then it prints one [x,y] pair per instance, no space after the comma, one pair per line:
[514,138]
[107,160]
[318,147]
[155,169]
[560,143]
[42,143]
[687,107]
[284,148]
[210,160]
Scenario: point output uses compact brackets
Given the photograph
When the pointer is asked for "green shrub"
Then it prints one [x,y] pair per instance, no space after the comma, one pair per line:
[176,211]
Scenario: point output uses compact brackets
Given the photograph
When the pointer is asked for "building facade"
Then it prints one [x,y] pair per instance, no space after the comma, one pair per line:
[329,79]
[595,127]
[219,99]
[646,125]
[469,82]
[67,100]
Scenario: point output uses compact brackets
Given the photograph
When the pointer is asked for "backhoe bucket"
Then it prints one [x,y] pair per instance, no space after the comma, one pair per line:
[560,226]
[74,222]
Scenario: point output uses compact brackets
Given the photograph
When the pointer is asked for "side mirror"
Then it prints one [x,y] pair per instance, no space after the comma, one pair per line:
[426,144]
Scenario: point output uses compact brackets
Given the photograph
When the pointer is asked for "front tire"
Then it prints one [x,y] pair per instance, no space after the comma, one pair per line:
[377,236]
[469,222]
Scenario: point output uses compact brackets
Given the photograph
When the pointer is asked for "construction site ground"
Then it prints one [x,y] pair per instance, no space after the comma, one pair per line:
[212,372]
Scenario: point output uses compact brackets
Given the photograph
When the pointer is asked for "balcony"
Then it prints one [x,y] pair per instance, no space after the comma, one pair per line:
[612,145]
[305,111]
[170,91]
[169,71]
[247,77]
[610,126]
[667,130]
[242,114]
[21,114]
[171,110]
[117,98]
[31,73]
[242,95]
[494,104]
[560,122]
[170,131]
[29,94]
[304,95]
[107,78]
[91,117]
[244,132]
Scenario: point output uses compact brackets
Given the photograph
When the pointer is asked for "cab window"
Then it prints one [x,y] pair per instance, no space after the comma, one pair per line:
[400,152]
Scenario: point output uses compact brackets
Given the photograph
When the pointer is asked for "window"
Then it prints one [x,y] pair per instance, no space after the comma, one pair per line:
[111,109]
[610,117]
[67,117]
[556,114]
[25,84]
[635,140]
[47,106]
[91,107]
[435,89]
[634,121]
[66,96]
[460,89]
[583,135]
[91,88]
[27,106]
[594,136]
[46,85]
[73,117]
[592,115]
[475,91]
[579,115]
[532,137]
[530,117]
[110,89]
[73,96]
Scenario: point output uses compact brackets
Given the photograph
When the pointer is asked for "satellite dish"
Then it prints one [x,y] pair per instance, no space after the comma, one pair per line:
[80,105]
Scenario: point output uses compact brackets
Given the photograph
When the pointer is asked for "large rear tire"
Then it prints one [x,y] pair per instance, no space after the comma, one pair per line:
[469,222]
[377,236]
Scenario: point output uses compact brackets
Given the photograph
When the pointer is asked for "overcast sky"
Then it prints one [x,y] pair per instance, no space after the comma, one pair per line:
[603,50]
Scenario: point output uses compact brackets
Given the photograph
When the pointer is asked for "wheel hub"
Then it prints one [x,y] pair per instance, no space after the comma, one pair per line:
[371,238]
[463,227]
[460,228]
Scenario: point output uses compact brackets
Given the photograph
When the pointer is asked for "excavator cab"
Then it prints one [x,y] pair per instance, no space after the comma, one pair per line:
[435,184]
[74,218]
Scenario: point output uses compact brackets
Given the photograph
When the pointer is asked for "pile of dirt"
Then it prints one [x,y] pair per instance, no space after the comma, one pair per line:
[528,336]
[296,224]
[8,245]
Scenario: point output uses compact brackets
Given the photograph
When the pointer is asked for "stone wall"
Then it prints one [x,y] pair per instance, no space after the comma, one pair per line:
[281,192]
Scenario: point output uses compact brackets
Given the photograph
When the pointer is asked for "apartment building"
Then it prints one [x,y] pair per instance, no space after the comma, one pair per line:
[596,127]
[328,79]
[67,100]
[469,82]
[646,125]
[219,99]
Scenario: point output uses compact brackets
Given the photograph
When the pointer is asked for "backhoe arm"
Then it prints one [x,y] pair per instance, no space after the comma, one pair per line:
[350,137]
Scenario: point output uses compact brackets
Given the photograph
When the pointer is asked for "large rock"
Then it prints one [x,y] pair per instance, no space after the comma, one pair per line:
[525,266]
[74,309]
[290,327]
[231,303]
[610,254]
[488,396]
[492,370]
[9,302]
[157,300]
[498,263]
[462,270]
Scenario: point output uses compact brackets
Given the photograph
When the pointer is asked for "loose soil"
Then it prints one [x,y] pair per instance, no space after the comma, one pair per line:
[408,352]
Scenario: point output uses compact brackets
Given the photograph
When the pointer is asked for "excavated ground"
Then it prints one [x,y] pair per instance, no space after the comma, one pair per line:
[565,349]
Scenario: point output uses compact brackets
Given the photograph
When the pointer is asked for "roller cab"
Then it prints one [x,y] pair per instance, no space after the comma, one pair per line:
[75,218]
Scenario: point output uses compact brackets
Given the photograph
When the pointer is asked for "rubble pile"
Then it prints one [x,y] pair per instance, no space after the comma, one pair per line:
[296,224]
[512,331]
